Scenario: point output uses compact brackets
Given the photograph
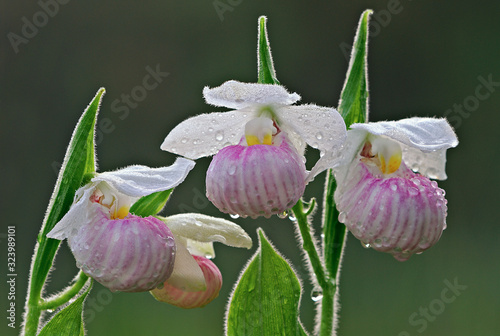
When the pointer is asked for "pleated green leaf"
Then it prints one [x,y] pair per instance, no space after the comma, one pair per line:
[266,299]
[68,321]
[267,75]
[353,104]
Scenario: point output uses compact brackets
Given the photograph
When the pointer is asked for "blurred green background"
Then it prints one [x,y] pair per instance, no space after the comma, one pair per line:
[424,57]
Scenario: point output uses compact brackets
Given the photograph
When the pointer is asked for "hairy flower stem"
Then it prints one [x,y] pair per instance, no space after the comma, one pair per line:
[326,283]
[67,294]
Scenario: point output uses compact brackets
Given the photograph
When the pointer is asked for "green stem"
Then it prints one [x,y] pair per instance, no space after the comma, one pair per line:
[325,282]
[44,256]
[67,294]
[334,231]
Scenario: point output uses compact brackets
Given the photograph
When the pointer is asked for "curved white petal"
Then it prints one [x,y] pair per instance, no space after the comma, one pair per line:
[206,229]
[320,127]
[138,181]
[424,142]
[206,134]
[187,274]
[237,95]
[76,216]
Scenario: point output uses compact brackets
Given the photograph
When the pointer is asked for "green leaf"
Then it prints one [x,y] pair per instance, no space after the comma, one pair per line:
[353,104]
[152,204]
[68,321]
[266,298]
[267,75]
[79,161]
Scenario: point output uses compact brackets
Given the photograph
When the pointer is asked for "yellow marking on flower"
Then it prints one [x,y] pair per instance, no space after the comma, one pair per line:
[388,153]
[392,165]
[259,131]
[121,213]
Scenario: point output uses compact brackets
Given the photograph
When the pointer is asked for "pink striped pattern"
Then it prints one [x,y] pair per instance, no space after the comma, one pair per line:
[258,180]
[178,297]
[133,254]
[402,215]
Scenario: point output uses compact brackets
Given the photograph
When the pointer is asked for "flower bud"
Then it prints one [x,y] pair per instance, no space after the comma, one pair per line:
[184,299]
[258,180]
[133,254]
[402,214]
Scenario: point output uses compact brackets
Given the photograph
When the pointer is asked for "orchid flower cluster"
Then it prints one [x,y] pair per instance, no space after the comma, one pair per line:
[386,195]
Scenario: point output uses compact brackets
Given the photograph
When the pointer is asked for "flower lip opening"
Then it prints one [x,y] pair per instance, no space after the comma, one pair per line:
[385,153]
[118,206]
[260,131]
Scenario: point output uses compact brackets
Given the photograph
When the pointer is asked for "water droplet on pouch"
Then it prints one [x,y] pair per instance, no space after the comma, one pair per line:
[283,215]
[234,216]
[342,217]
[365,245]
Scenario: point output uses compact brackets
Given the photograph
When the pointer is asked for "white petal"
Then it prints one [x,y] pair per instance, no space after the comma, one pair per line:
[206,229]
[205,250]
[320,127]
[424,142]
[187,274]
[138,181]
[237,95]
[206,134]
[76,216]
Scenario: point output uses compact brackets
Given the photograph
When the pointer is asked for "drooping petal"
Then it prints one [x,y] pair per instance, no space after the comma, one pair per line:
[76,215]
[186,274]
[259,180]
[133,254]
[238,95]
[189,299]
[320,127]
[138,181]
[424,142]
[205,229]
[206,134]
[402,215]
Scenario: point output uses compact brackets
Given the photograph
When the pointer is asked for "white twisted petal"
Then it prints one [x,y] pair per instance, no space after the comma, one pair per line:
[424,142]
[206,134]
[238,95]
[187,274]
[320,127]
[207,229]
[138,181]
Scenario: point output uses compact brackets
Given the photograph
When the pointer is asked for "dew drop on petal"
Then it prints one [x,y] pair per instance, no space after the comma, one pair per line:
[234,216]
[319,136]
[342,217]
[231,170]
[184,140]
[394,187]
[219,136]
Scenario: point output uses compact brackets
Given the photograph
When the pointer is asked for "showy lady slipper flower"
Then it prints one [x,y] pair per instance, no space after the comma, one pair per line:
[122,251]
[196,280]
[258,169]
[384,203]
